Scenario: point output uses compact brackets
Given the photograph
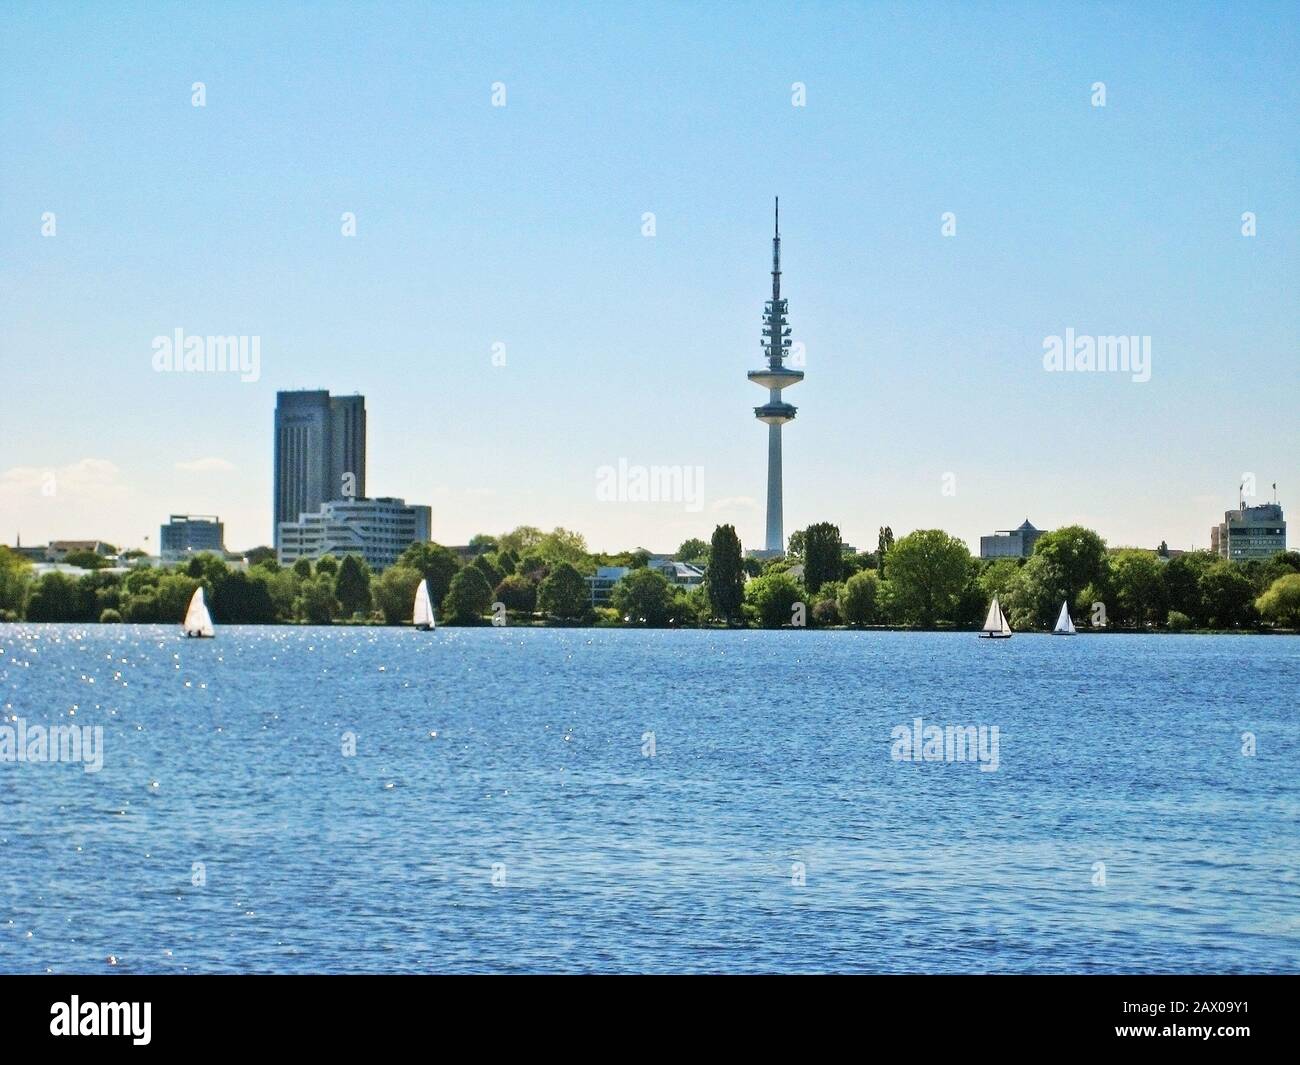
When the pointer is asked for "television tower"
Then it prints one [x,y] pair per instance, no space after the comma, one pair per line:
[775,377]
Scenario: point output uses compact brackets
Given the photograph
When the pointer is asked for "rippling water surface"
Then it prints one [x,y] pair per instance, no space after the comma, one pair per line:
[519,753]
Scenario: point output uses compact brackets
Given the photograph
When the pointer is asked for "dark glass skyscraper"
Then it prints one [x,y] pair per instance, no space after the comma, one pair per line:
[320,452]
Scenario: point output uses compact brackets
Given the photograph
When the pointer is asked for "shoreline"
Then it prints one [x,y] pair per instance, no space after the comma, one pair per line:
[406,626]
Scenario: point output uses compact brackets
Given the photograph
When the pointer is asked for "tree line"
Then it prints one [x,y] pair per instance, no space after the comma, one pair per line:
[926,580]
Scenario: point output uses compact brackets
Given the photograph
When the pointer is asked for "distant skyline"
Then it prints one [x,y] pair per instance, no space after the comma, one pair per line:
[514,330]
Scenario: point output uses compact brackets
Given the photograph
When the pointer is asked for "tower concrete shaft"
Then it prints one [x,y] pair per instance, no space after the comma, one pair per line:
[774,377]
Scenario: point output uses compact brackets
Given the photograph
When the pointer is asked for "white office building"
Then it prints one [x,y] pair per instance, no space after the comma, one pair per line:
[376,530]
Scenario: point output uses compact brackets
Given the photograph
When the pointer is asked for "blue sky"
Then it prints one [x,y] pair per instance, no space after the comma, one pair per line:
[522,225]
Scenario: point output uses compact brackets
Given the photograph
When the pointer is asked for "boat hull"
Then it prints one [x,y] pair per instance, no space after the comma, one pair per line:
[995,635]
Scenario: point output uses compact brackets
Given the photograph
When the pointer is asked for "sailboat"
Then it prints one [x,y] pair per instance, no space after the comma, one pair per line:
[422,616]
[198,622]
[995,625]
[1064,626]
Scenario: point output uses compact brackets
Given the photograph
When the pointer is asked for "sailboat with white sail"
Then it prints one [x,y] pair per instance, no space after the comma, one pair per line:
[1064,626]
[422,614]
[996,626]
[198,622]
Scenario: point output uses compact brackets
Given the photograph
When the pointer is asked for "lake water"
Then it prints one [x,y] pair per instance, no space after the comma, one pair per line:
[771,830]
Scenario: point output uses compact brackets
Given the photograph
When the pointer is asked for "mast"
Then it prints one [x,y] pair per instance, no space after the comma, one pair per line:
[775,412]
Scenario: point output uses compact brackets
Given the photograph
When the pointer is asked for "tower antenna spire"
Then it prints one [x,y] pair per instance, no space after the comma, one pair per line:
[776,253]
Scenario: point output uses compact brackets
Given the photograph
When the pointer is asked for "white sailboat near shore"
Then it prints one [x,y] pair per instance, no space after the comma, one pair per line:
[996,626]
[198,622]
[422,614]
[1064,626]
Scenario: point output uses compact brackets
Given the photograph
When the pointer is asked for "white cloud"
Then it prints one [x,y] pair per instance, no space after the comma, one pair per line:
[90,480]
[734,503]
[206,465]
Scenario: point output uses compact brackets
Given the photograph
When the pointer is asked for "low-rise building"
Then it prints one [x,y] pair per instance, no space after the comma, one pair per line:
[188,534]
[601,584]
[1010,543]
[58,550]
[1249,532]
[376,530]
[682,574]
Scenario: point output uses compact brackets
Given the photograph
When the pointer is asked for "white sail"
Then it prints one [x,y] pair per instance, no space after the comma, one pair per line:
[1063,623]
[995,620]
[1006,625]
[198,622]
[422,617]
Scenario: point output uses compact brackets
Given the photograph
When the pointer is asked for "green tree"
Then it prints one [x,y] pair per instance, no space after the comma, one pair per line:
[436,564]
[825,603]
[564,594]
[561,545]
[1074,557]
[15,578]
[175,590]
[282,585]
[329,564]
[1183,585]
[54,598]
[394,593]
[645,597]
[1031,597]
[490,570]
[97,592]
[317,604]
[692,605]
[533,566]
[1229,596]
[518,593]
[1281,603]
[884,541]
[302,568]
[999,578]
[207,567]
[1137,588]
[142,607]
[693,550]
[772,598]
[243,599]
[522,540]
[796,545]
[481,543]
[84,559]
[724,579]
[468,598]
[928,573]
[260,555]
[823,555]
[352,586]
[859,599]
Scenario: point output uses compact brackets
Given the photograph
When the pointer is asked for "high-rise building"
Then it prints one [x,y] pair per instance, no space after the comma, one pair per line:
[377,530]
[188,534]
[1010,543]
[320,452]
[774,377]
[1249,532]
